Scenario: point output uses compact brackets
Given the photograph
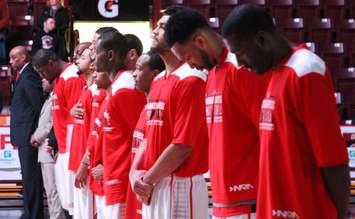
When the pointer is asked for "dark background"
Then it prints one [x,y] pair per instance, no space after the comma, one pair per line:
[129,10]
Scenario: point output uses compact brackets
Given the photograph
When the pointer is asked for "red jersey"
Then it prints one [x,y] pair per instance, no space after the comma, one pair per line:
[300,134]
[120,118]
[133,206]
[66,92]
[175,115]
[81,128]
[95,140]
[233,100]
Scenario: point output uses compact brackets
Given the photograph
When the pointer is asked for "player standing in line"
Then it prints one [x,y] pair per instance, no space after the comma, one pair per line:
[121,114]
[83,200]
[175,156]
[303,159]
[148,66]
[66,92]
[233,99]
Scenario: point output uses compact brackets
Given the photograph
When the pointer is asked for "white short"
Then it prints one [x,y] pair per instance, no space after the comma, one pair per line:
[100,206]
[116,211]
[178,198]
[83,203]
[242,216]
[65,182]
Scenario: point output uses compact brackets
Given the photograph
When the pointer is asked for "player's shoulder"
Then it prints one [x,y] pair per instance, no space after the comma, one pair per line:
[304,62]
[70,72]
[185,71]
[232,61]
[125,80]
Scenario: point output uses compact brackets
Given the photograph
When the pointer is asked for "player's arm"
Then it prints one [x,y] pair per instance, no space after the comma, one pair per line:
[337,182]
[189,117]
[82,174]
[171,158]
[321,121]
[135,173]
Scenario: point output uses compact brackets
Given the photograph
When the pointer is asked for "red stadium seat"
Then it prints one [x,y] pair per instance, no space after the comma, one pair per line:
[346,86]
[347,34]
[335,10]
[350,5]
[333,55]
[5,71]
[321,32]
[223,8]
[17,1]
[308,10]
[26,20]
[18,8]
[281,8]
[174,2]
[256,2]
[214,22]
[292,28]
[201,5]
[311,46]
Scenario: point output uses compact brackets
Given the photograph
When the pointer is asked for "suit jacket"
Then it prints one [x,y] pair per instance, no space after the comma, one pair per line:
[26,106]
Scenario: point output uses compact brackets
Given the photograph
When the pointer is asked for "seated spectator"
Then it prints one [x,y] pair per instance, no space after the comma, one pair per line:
[4,21]
[46,38]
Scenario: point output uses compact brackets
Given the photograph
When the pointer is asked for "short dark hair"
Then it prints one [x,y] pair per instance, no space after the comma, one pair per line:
[155,61]
[248,19]
[47,17]
[182,25]
[134,42]
[42,57]
[173,9]
[114,40]
[105,29]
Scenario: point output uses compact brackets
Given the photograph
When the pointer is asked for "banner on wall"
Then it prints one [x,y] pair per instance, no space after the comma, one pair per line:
[111,10]
[10,168]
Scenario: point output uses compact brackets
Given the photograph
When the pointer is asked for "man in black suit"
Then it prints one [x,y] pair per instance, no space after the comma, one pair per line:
[25,109]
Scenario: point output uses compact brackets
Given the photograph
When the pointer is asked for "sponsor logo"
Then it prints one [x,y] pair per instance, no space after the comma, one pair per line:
[214,108]
[108,8]
[267,108]
[155,113]
[241,187]
[284,214]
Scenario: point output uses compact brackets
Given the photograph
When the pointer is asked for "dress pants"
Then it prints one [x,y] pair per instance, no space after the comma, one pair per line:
[32,183]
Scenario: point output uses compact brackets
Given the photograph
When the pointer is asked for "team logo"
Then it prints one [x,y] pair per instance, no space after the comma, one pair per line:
[155,112]
[267,109]
[214,108]
[108,8]
[241,187]
[284,214]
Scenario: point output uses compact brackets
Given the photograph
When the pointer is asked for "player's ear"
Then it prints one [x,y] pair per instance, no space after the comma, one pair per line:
[110,54]
[199,40]
[262,40]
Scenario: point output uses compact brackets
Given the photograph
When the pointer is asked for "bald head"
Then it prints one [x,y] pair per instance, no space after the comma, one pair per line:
[19,56]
